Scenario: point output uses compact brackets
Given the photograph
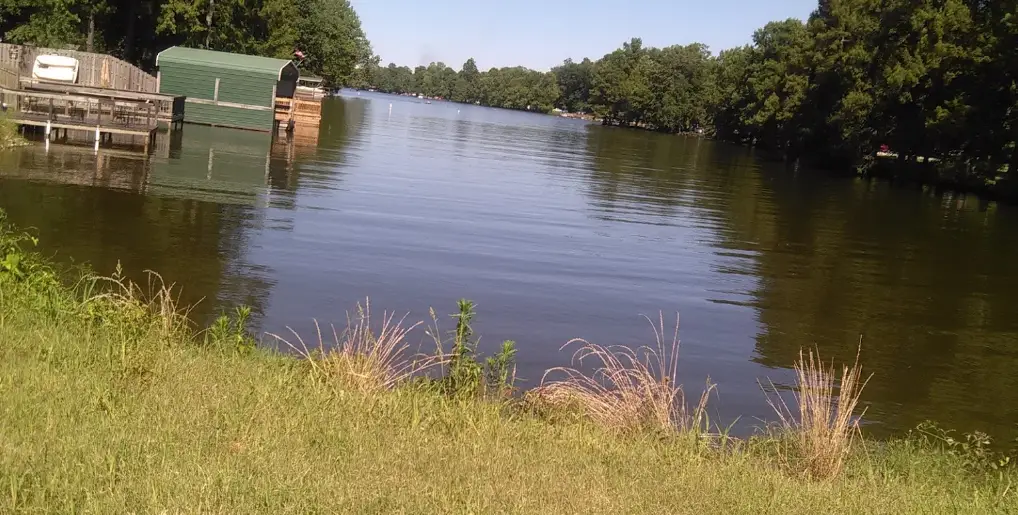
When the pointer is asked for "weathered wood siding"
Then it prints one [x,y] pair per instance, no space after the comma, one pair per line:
[94,70]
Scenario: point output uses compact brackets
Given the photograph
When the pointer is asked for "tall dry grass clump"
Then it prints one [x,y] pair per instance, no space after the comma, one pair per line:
[628,389]
[366,359]
[823,427]
[121,301]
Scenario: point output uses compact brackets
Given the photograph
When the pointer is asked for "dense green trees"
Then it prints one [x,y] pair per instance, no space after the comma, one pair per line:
[932,80]
[936,81]
[574,80]
[328,32]
[510,88]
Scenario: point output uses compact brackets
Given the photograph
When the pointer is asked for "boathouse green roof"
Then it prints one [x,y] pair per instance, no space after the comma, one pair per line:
[225,60]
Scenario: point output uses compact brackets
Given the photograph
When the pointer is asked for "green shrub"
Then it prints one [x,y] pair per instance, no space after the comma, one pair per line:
[231,331]
[9,136]
[975,450]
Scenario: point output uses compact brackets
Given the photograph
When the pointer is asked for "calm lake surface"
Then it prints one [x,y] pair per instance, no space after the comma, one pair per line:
[559,229]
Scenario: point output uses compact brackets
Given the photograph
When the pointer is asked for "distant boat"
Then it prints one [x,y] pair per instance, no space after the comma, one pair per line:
[311,87]
[420,96]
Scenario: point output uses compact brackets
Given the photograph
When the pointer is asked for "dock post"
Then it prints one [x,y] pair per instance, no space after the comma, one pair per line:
[48,129]
[212,153]
[98,135]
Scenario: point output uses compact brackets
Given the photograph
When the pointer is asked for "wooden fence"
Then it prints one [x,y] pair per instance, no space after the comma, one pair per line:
[94,70]
[8,77]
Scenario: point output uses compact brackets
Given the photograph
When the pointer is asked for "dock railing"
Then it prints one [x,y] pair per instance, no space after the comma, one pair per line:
[107,114]
[169,109]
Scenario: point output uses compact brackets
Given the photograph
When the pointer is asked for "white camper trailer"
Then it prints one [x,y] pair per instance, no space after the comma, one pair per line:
[55,68]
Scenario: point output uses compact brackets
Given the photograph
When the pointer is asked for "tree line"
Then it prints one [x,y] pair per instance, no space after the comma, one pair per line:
[511,88]
[931,83]
[327,32]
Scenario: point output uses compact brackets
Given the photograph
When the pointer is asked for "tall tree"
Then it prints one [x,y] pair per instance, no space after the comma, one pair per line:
[465,89]
[683,87]
[622,91]
[576,81]
[777,85]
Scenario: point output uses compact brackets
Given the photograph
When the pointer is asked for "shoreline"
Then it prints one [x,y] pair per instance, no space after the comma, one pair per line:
[111,391]
[943,181]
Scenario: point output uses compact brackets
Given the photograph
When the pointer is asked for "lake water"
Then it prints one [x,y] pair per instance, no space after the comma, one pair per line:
[559,229]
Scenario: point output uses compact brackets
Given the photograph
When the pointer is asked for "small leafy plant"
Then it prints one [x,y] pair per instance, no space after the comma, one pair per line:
[975,449]
[500,370]
[16,260]
[231,330]
[468,375]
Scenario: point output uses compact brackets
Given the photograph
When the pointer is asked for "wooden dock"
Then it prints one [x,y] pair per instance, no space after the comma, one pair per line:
[111,101]
[104,114]
[169,109]
[295,112]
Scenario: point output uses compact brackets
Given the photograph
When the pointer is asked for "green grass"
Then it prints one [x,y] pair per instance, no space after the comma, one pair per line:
[9,135]
[107,410]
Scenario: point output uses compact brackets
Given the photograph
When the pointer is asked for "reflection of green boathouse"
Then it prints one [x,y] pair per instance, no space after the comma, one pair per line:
[225,166]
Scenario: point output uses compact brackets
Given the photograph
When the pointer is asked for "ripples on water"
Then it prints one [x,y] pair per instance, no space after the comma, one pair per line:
[559,229]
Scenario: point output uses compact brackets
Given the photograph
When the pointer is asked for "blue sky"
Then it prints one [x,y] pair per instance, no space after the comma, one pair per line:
[541,33]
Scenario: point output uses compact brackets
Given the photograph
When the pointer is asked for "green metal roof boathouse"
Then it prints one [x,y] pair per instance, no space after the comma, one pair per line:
[224,89]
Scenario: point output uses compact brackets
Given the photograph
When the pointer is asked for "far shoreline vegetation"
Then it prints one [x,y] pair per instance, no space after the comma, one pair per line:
[920,92]
[115,401]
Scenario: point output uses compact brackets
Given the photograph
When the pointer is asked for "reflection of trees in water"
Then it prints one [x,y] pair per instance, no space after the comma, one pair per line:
[928,283]
[656,173]
[343,120]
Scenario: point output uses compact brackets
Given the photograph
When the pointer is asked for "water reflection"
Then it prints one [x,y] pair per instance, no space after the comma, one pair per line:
[559,229]
[925,280]
[189,216]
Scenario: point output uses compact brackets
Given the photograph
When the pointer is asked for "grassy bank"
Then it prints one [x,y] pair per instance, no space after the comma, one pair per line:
[9,136]
[112,404]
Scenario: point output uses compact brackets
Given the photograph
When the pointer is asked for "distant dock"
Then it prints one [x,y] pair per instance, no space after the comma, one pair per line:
[102,96]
